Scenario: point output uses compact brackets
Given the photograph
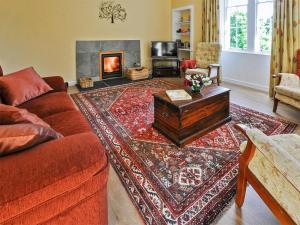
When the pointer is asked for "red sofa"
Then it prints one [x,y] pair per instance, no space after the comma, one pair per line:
[61,181]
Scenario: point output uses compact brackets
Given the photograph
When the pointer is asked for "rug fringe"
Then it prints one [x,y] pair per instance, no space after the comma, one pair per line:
[224,210]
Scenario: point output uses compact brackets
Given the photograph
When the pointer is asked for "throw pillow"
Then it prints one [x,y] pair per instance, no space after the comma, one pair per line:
[18,137]
[13,115]
[19,87]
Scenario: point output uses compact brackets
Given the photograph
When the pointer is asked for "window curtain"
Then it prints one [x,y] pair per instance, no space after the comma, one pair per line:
[286,38]
[210,21]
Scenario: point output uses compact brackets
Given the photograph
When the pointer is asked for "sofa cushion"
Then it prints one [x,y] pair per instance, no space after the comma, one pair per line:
[19,137]
[19,87]
[49,104]
[13,115]
[68,123]
[48,170]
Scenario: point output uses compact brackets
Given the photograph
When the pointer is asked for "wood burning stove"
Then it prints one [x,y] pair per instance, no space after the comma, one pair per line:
[111,64]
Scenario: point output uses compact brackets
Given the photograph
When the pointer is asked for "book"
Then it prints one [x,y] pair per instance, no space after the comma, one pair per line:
[178,95]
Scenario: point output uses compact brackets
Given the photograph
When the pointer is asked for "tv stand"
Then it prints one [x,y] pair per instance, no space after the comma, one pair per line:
[165,67]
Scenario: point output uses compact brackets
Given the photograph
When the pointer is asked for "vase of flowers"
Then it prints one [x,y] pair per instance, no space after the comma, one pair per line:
[196,82]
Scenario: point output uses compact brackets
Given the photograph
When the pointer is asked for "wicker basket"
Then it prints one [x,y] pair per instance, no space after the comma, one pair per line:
[137,73]
[86,82]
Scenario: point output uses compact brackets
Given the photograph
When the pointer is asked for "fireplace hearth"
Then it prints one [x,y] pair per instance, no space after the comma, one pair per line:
[111,64]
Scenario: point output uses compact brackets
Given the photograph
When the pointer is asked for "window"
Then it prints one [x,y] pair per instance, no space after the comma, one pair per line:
[248,25]
[264,21]
[237,21]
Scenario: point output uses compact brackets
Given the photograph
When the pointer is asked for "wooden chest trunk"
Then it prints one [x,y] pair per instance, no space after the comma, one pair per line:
[185,121]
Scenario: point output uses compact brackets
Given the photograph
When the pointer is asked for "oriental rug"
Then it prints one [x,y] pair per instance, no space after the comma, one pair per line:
[168,184]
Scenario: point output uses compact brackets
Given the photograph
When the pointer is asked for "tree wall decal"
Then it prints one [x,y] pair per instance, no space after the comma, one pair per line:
[112,11]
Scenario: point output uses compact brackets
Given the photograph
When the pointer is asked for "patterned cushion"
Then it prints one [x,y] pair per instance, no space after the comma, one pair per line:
[197,71]
[292,92]
[289,79]
[276,164]
[288,100]
[207,53]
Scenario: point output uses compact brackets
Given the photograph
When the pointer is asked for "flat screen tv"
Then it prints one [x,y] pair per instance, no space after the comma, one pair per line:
[164,49]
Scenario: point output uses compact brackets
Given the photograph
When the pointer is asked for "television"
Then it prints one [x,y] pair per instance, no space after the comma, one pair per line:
[167,49]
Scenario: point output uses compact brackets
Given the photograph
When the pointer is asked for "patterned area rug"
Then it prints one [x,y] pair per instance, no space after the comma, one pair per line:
[167,184]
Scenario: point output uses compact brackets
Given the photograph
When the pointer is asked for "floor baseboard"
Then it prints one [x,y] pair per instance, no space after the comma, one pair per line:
[246,84]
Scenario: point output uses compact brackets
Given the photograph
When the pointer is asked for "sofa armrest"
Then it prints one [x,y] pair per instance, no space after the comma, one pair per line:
[57,83]
[50,162]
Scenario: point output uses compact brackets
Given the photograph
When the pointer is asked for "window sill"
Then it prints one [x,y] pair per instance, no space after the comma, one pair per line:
[246,52]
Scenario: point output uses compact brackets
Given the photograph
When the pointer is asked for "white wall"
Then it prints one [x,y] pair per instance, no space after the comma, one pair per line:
[247,69]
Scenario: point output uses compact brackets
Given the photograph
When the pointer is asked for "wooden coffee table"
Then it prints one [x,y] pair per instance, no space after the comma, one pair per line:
[185,121]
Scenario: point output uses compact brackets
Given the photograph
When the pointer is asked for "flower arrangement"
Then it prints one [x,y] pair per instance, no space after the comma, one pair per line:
[197,81]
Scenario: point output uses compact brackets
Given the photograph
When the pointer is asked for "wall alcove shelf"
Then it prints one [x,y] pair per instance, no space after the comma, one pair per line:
[183,30]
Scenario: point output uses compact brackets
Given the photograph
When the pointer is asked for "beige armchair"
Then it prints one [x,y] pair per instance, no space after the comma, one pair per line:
[287,90]
[207,61]
[271,165]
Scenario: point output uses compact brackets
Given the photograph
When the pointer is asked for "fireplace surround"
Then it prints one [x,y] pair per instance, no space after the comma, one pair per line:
[88,60]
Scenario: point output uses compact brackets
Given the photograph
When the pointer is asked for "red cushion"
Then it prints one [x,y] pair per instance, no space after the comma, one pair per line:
[68,123]
[19,87]
[19,137]
[188,64]
[49,104]
[13,115]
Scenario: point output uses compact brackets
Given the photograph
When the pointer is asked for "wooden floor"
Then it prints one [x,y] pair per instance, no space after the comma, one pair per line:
[253,212]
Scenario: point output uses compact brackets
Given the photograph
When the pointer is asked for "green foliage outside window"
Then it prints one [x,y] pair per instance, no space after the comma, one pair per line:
[238,30]
[265,37]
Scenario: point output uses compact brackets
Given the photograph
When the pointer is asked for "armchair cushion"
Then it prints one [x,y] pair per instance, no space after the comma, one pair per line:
[288,100]
[197,71]
[201,71]
[282,151]
[276,164]
[292,92]
[289,80]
